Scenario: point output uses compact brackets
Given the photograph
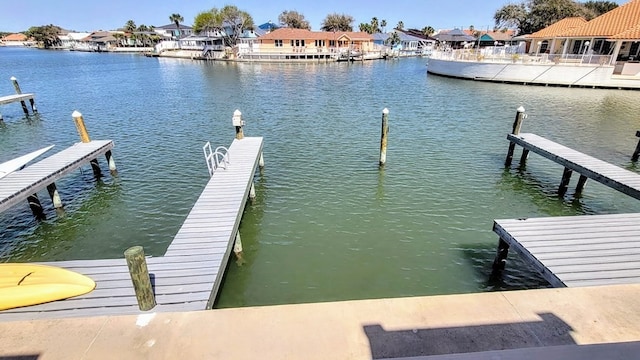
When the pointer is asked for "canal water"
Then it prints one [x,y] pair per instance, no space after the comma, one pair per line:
[327,223]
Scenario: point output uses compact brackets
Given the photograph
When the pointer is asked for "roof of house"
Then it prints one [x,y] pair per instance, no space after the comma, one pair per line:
[15,37]
[619,20]
[173,26]
[290,33]
[401,35]
[455,35]
[631,34]
[558,28]
[496,35]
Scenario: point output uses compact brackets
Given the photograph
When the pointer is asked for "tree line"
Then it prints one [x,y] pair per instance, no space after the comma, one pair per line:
[230,22]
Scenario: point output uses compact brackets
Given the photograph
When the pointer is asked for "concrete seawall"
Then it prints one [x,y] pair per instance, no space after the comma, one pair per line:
[599,76]
[545,319]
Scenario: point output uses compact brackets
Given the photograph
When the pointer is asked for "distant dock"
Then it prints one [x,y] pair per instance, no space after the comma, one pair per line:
[19,97]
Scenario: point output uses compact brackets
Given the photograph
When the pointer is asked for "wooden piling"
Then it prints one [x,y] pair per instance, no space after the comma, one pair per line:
[383,136]
[55,196]
[581,183]
[564,183]
[36,207]
[634,158]
[517,123]
[140,277]
[19,91]
[238,123]
[261,161]
[82,130]
[501,256]
[252,191]
[111,162]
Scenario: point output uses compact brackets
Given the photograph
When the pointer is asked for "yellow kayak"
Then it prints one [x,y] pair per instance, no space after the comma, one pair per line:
[30,284]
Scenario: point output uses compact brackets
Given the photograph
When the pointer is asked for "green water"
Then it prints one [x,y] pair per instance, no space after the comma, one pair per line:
[327,223]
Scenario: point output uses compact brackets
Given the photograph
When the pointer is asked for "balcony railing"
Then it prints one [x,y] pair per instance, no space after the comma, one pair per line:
[508,55]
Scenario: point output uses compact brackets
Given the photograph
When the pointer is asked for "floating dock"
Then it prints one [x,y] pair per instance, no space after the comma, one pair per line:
[572,251]
[189,274]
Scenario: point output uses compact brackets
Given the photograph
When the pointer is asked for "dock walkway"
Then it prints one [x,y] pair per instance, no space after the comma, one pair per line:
[15,98]
[189,274]
[587,166]
[19,185]
[577,250]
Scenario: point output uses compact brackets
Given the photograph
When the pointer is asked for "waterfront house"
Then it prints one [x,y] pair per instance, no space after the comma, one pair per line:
[173,32]
[409,45]
[492,38]
[72,40]
[611,38]
[455,39]
[16,40]
[301,44]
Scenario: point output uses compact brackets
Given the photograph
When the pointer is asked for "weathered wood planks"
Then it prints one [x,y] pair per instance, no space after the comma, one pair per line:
[578,250]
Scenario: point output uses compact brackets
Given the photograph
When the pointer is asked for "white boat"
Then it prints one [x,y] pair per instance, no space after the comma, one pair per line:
[19,163]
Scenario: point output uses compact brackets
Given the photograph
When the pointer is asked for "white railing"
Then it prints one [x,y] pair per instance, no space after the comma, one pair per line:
[510,55]
[215,159]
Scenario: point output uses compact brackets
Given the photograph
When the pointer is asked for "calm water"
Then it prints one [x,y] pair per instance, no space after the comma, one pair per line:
[327,224]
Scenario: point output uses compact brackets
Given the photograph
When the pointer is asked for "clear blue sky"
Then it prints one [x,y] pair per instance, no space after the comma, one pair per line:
[89,15]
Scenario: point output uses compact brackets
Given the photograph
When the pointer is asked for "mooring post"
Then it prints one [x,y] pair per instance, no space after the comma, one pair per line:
[238,123]
[55,196]
[84,137]
[140,277]
[261,161]
[520,115]
[634,158]
[36,207]
[383,136]
[82,130]
[19,91]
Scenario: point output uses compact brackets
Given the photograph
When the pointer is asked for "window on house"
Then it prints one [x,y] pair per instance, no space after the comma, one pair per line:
[302,42]
[332,43]
[544,46]
[292,43]
[278,43]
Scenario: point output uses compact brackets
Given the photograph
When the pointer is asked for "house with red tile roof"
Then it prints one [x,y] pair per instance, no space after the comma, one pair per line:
[16,40]
[301,44]
[611,38]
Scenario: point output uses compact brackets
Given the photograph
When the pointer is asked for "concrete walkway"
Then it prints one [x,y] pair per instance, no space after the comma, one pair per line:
[557,319]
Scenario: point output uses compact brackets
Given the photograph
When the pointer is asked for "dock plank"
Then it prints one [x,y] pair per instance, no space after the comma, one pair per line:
[606,250]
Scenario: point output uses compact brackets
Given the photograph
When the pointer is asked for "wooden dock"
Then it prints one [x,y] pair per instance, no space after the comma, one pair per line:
[20,185]
[189,274]
[15,98]
[617,178]
[576,250]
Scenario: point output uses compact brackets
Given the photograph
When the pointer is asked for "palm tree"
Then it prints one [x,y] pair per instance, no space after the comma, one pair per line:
[337,22]
[176,19]
[393,39]
[374,25]
[400,25]
[428,31]
[130,26]
[383,24]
